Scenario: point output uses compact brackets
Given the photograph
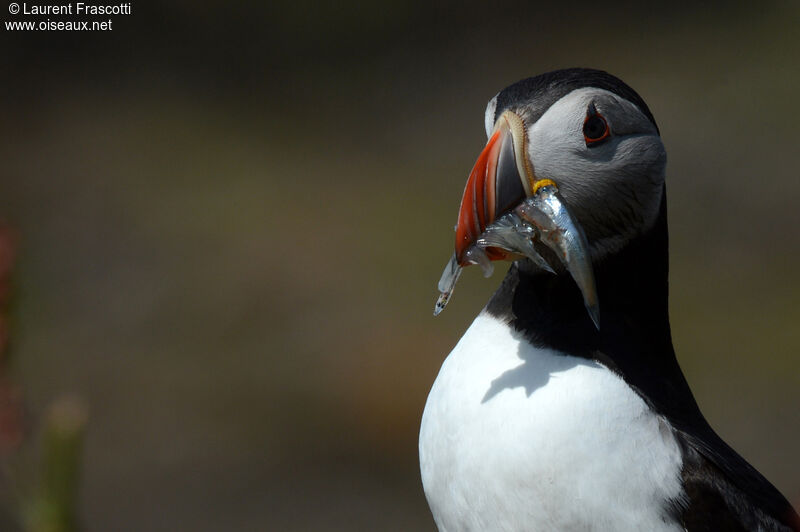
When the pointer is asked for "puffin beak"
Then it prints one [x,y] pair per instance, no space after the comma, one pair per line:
[505,209]
[499,181]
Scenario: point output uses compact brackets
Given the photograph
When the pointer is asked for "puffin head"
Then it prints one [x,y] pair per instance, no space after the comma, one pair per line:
[589,140]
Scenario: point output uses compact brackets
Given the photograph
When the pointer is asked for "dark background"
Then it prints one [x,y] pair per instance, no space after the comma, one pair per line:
[232,219]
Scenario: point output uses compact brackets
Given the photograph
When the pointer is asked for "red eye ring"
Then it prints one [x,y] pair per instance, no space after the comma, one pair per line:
[595,128]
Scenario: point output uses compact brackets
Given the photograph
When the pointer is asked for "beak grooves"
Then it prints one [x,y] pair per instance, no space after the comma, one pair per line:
[500,179]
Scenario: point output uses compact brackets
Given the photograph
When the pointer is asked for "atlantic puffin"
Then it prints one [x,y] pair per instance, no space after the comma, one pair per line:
[563,406]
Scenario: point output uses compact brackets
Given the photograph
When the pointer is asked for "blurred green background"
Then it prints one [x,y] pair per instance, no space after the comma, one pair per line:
[232,219]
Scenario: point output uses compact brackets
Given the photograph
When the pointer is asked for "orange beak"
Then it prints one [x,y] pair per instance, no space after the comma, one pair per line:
[499,181]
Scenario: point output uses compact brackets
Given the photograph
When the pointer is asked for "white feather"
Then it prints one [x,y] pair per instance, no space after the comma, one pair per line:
[488,116]
[517,438]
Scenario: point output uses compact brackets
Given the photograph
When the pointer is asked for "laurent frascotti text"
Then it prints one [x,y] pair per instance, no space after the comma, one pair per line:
[78,8]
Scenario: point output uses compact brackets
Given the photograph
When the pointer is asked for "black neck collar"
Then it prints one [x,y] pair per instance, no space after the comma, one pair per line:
[634,339]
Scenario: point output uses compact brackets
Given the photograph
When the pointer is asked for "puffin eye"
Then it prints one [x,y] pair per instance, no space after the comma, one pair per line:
[595,128]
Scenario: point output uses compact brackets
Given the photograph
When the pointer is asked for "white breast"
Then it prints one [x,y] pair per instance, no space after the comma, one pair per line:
[518,438]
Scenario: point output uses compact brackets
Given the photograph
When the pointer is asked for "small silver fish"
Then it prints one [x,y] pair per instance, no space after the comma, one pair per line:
[558,230]
[541,217]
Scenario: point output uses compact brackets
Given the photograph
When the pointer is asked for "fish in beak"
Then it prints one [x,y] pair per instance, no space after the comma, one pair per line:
[506,210]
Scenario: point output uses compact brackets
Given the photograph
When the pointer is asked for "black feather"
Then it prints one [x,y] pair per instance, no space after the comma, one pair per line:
[635,341]
[538,93]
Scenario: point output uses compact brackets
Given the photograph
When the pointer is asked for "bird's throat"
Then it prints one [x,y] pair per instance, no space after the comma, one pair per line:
[632,287]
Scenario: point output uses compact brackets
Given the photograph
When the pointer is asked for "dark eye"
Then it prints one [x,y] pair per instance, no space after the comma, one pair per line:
[595,128]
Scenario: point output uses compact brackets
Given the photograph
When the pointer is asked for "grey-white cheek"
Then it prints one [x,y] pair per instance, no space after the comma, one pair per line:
[615,194]
[630,195]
